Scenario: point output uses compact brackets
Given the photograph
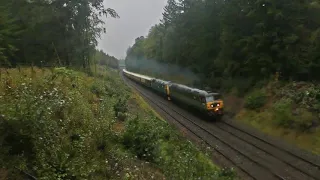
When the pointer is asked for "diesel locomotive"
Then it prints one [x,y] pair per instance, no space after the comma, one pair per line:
[204,101]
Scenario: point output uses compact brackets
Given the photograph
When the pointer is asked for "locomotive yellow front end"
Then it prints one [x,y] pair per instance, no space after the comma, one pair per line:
[215,105]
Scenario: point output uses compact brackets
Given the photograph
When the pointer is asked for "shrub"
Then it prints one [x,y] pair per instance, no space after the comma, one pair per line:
[97,89]
[141,139]
[255,100]
[120,107]
[304,121]
[282,113]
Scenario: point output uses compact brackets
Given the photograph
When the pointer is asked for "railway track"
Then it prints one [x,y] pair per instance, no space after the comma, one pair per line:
[305,166]
[252,156]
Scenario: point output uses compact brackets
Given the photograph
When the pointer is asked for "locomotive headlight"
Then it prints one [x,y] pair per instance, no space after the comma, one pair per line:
[218,104]
[212,105]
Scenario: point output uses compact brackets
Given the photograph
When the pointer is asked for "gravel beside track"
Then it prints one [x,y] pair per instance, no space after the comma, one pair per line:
[252,155]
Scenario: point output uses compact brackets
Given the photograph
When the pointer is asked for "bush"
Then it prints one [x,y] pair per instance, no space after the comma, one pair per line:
[97,89]
[302,120]
[141,139]
[282,113]
[255,100]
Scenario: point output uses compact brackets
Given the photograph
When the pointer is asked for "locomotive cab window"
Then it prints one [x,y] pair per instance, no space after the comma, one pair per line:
[209,98]
[217,96]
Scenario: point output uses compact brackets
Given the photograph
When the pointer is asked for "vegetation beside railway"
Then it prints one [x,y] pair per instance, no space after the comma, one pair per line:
[286,109]
[59,123]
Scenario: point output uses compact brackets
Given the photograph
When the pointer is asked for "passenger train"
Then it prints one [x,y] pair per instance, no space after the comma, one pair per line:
[204,101]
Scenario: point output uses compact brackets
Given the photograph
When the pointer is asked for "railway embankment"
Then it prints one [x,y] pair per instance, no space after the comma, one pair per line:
[59,123]
[287,110]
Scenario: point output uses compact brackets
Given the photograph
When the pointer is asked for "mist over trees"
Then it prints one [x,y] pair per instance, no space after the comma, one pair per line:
[51,32]
[230,43]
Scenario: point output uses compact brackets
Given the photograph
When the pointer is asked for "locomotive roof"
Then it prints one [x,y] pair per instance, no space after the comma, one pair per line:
[138,75]
[162,81]
[193,90]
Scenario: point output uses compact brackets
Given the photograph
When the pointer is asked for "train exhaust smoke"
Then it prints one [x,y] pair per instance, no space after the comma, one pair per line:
[165,71]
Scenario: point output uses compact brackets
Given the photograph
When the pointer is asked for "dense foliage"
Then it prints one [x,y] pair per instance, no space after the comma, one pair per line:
[64,124]
[54,126]
[56,32]
[235,43]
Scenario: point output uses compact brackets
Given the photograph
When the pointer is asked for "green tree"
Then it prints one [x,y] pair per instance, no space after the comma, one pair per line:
[235,43]
[58,32]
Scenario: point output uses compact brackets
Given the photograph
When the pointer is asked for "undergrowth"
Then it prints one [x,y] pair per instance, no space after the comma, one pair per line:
[63,124]
[289,110]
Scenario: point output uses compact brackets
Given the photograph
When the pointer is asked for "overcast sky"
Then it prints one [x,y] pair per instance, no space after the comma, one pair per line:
[136,18]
